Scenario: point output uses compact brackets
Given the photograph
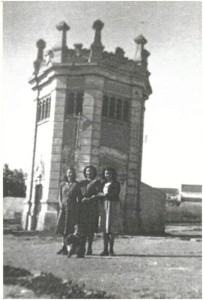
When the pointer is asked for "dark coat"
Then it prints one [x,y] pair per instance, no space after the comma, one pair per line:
[113,191]
[89,209]
[69,198]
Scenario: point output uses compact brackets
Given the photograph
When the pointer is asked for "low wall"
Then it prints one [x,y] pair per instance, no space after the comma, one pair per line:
[12,208]
[153,209]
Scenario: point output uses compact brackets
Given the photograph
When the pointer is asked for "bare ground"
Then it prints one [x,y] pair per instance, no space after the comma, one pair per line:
[145,266]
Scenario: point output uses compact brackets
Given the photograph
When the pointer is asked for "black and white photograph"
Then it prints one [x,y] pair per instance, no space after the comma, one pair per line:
[102,149]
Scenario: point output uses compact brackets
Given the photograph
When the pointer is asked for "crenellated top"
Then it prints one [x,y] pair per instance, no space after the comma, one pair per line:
[116,61]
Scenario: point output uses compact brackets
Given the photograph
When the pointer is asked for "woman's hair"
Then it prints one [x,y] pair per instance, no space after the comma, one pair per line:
[93,169]
[113,172]
[74,173]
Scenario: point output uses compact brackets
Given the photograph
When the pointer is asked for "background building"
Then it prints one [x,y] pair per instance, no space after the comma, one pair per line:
[191,193]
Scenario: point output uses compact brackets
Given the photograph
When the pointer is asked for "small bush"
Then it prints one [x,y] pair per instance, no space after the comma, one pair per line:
[48,284]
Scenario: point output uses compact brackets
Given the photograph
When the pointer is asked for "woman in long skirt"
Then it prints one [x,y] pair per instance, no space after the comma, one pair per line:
[90,187]
[110,223]
[69,198]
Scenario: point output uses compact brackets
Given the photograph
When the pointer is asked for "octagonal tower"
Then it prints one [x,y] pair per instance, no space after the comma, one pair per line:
[89,110]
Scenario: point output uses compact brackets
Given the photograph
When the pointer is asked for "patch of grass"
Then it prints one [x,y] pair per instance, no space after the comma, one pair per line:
[187,212]
[48,284]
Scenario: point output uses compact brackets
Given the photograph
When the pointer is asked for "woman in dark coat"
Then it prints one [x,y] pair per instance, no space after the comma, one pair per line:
[69,197]
[90,188]
[110,210]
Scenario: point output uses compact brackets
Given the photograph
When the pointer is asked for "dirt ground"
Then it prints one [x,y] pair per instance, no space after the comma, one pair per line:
[145,266]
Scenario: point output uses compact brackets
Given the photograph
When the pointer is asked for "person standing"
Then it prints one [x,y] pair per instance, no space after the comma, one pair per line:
[90,188]
[110,223]
[69,201]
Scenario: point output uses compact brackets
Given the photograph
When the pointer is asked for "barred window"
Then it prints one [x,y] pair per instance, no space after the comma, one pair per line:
[43,109]
[74,103]
[105,107]
[114,108]
[126,111]
[119,109]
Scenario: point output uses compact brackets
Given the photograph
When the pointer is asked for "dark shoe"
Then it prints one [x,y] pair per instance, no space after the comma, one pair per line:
[104,253]
[80,256]
[89,252]
[63,251]
[111,253]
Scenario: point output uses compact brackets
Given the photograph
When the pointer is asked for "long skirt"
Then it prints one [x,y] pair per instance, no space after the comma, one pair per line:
[110,220]
[67,219]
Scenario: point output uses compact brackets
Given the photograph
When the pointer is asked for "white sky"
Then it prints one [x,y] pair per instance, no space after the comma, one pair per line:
[173,121]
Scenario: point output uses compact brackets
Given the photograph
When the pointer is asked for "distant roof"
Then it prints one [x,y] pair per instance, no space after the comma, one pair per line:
[171,191]
[191,188]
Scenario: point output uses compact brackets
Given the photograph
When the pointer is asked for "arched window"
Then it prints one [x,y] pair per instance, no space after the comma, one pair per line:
[126,111]
[70,103]
[105,106]
[79,103]
[112,107]
[119,109]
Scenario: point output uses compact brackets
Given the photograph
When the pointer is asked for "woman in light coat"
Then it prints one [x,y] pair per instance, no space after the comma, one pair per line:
[110,222]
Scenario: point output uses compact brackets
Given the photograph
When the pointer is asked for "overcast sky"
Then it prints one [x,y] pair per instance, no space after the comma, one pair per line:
[173,121]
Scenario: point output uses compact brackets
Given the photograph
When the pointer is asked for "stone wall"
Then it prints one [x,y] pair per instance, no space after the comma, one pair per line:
[12,207]
[153,207]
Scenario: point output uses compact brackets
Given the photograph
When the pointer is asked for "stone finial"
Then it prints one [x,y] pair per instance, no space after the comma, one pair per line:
[62,26]
[96,47]
[140,40]
[40,55]
[139,53]
[78,48]
[97,26]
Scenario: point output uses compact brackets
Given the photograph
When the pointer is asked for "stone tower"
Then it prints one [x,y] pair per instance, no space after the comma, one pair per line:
[89,110]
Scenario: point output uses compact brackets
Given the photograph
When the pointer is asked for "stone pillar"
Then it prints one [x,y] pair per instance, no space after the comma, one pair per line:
[40,55]
[91,123]
[62,26]
[48,215]
[141,54]
[26,222]
[132,221]
[96,47]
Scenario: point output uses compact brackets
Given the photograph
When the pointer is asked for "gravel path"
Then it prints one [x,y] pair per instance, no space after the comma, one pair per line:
[145,267]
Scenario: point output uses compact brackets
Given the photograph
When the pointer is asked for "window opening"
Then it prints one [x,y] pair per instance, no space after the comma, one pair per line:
[126,111]
[79,103]
[119,109]
[105,106]
[112,108]
[70,103]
